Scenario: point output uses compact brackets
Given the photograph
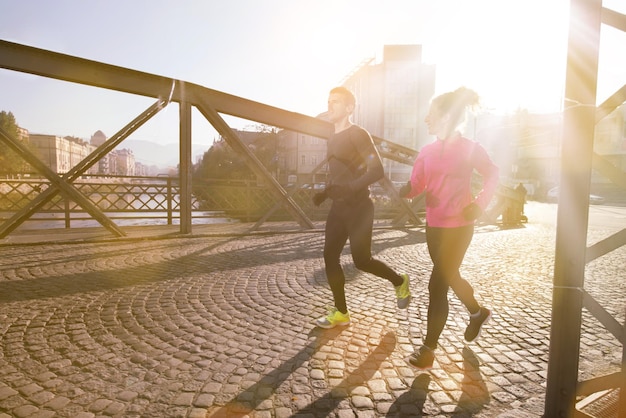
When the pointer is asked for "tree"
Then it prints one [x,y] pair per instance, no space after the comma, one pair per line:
[10,162]
[222,162]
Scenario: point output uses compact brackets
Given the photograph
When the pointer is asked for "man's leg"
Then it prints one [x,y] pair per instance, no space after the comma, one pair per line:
[360,232]
[335,239]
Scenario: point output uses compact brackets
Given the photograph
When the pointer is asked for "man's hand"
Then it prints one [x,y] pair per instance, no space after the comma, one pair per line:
[405,190]
[319,197]
[472,212]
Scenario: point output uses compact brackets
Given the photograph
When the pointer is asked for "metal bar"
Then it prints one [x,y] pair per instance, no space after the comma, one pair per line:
[601,164]
[185,165]
[65,187]
[614,19]
[415,204]
[609,105]
[290,193]
[78,170]
[66,204]
[622,383]
[64,67]
[603,316]
[169,200]
[573,208]
[591,386]
[605,246]
[83,71]
[222,127]
[608,170]
[404,203]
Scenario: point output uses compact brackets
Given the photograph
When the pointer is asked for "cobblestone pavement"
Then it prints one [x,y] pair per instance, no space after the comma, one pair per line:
[223,327]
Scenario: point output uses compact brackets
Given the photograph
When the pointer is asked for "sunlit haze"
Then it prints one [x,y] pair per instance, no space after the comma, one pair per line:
[287,53]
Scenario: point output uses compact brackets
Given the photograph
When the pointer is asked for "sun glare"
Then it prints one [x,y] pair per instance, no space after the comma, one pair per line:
[512,53]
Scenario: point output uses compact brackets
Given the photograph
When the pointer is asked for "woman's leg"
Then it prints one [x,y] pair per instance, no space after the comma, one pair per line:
[447,247]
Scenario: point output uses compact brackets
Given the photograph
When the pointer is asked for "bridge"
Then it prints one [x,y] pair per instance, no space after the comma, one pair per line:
[572,253]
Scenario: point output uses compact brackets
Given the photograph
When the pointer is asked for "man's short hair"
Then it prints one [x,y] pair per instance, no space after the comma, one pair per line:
[347,95]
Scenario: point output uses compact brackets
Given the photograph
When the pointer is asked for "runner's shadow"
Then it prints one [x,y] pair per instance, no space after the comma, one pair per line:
[411,403]
[246,402]
[475,394]
[322,407]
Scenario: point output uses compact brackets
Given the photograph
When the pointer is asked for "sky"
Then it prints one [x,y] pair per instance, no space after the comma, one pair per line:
[287,54]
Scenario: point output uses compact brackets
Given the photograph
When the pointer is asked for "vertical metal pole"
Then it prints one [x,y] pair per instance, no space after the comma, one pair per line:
[573,209]
[622,390]
[170,203]
[185,163]
[66,203]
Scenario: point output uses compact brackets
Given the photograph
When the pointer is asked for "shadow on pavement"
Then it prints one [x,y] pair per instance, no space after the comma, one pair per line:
[251,398]
[475,394]
[411,403]
[141,268]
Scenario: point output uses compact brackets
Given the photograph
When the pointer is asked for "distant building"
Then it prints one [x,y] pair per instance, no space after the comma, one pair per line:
[60,154]
[141,169]
[527,148]
[125,162]
[117,162]
[98,138]
[393,97]
[301,158]
[392,101]
[22,134]
[105,165]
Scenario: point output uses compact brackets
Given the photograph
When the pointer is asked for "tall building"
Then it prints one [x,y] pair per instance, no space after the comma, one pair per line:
[393,98]
[125,162]
[117,162]
[392,102]
[104,164]
[60,154]
[299,158]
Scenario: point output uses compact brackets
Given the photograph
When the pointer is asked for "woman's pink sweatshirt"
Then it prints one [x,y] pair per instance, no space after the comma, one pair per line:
[443,169]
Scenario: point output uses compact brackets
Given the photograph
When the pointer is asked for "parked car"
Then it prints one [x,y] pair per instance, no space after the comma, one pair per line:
[316,186]
[553,196]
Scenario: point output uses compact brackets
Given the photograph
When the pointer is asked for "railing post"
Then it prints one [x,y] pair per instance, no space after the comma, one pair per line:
[169,197]
[184,190]
[66,203]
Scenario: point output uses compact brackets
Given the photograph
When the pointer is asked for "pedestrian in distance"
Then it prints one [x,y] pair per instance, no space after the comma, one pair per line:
[354,164]
[443,171]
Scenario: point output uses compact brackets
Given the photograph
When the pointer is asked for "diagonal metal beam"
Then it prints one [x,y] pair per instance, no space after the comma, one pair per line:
[614,19]
[257,167]
[603,316]
[605,246]
[38,202]
[290,193]
[60,183]
[600,163]
[609,105]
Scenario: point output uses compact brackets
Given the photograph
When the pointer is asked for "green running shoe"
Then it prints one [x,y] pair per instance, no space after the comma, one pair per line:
[403,293]
[334,318]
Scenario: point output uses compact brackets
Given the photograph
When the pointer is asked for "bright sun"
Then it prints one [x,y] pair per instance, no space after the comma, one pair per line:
[512,53]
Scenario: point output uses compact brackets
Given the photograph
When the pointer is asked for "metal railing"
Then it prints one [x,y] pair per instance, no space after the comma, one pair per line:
[153,200]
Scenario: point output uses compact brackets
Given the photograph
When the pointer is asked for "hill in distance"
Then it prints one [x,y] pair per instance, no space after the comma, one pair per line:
[151,153]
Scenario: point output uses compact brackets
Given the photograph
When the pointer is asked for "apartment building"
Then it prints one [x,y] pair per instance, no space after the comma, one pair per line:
[60,153]
[392,100]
